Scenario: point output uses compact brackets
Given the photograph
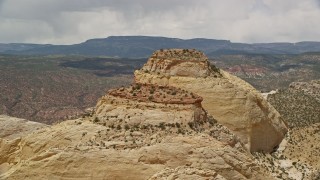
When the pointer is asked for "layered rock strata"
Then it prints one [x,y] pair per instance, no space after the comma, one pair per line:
[149,104]
[232,101]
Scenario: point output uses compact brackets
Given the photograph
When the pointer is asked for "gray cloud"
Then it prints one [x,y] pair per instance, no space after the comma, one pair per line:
[73,21]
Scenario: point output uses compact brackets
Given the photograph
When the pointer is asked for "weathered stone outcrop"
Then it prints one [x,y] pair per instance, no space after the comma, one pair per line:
[132,136]
[12,128]
[81,149]
[156,94]
[232,101]
[149,105]
[178,62]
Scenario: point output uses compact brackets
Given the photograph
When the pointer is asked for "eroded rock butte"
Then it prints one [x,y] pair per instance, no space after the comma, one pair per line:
[230,100]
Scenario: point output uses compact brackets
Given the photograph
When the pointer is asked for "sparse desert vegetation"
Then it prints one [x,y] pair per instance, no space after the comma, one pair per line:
[53,88]
[268,72]
[296,107]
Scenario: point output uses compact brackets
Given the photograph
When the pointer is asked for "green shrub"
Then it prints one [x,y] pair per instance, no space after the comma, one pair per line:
[162,126]
[96,119]
[191,125]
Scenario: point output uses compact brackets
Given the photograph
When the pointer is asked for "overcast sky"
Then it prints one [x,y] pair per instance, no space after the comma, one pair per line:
[74,21]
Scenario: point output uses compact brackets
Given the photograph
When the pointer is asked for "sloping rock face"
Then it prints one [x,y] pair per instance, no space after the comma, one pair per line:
[105,154]
[132,136]
[230,100]
[12,128]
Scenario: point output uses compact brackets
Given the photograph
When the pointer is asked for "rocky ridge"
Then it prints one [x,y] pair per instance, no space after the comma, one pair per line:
[230,100]
[178,62]
[157,94]
[149,105]
[114,142]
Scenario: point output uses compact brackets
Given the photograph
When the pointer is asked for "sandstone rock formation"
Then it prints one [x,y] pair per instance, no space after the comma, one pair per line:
[232,101]
[157,128]
[178,62]
[131,136]
[12,128]
[150,105]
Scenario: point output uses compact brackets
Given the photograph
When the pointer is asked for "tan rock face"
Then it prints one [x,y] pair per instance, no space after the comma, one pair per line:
[132,137]
[178,62]
[82,149]
[230,100]
[12,128]
[149,105]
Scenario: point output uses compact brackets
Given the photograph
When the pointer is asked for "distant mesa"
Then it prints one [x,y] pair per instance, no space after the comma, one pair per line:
[143,46]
